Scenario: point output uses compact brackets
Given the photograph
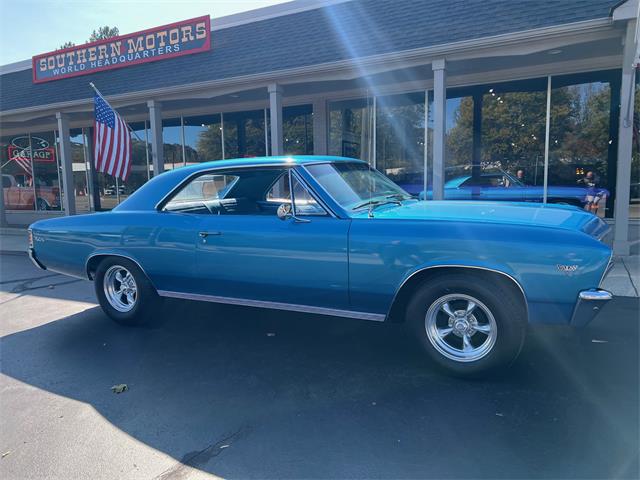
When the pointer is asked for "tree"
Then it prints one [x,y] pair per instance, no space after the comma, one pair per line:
[100,34]
[103,33]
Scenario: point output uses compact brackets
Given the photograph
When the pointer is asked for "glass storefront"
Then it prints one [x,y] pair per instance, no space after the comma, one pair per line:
[172,143]
[297,128]
[351,126]
[579,143]
[202,138]
[244,134]
[81,172]
[31,172]
[495,145]
[400,142]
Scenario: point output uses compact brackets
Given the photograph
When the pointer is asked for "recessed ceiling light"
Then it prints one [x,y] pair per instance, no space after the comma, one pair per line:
[554,52]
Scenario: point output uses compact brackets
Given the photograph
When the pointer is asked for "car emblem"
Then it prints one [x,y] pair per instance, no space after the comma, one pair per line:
[567,268]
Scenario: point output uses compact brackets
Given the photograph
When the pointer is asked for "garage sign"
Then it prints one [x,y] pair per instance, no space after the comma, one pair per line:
[168,41]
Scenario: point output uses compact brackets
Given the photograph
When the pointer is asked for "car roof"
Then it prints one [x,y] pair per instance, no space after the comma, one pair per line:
[147,196]
[275,161]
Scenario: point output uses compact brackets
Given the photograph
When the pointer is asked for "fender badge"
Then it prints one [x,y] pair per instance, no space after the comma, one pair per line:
[567,268]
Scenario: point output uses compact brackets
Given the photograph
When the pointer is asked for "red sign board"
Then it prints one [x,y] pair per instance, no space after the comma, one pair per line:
[160,43]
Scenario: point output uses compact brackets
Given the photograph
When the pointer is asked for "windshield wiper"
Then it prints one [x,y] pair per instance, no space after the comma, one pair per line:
[376,203]
[398,196]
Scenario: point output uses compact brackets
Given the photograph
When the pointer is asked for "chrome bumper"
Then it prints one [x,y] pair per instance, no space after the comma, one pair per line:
[588,306]
[32,256]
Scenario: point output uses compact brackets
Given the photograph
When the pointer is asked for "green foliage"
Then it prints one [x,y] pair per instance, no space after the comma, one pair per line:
[103,32]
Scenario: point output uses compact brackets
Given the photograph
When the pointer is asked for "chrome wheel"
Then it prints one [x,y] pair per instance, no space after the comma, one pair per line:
[120,288]
[461,327]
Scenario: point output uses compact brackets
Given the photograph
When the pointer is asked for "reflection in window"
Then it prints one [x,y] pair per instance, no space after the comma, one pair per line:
[297,127]
[17,172]
[400,139]
[351,129]
[46,170]
[513,131]
[459,137]
[172,143]
[202,138]
[579,144]
[244,134]
[81,183]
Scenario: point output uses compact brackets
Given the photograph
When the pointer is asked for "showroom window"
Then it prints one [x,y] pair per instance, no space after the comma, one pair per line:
[579,142]
[297,128]
[351,124]
[400,142]
[30,172]
[244,134]
[81,171]
[202,138]
[172,143]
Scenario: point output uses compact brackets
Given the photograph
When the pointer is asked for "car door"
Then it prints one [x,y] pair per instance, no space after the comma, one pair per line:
[246,251]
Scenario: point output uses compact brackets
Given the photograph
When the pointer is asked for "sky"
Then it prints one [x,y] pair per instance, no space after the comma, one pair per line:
[30,27]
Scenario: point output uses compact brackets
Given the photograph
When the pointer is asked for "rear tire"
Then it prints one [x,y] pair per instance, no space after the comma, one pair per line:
[469,325]
[125,293]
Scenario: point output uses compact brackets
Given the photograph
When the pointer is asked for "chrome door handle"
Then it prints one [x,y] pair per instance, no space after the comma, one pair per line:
[208,234]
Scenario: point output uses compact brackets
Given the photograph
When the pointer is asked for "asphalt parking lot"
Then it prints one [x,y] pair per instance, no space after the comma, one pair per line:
[248,393]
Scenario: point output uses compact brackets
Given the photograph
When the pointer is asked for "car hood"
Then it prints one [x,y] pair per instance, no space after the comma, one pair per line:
[530,214]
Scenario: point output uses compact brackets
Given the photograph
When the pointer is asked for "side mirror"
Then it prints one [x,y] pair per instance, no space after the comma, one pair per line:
[284,211]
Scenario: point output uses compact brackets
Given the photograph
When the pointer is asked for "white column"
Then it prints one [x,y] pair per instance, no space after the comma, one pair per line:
[625,143]
[439,126]
[275,106]
[320,127]
[66,161]
[155,121]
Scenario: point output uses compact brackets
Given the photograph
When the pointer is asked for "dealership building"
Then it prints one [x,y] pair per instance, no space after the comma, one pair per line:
[461,99]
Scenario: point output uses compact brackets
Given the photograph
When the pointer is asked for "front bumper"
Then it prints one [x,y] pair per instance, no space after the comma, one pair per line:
[589,304]
[36,262]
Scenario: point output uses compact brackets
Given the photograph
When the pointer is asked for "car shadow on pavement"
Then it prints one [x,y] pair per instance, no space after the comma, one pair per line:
[250,393]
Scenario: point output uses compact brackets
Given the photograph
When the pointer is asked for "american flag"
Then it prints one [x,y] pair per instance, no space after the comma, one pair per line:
[111,141]
[20,157]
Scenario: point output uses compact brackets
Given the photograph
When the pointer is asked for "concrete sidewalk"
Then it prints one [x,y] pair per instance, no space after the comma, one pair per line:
[622,281]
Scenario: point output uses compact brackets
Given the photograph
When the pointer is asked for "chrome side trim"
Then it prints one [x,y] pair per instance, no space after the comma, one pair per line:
[526,304]
[291,307]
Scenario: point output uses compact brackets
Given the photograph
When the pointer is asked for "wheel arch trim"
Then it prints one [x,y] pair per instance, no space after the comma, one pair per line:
[459,266]
[112,253]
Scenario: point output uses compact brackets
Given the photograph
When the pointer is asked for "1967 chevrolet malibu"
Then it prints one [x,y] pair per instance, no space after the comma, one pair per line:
[333,236]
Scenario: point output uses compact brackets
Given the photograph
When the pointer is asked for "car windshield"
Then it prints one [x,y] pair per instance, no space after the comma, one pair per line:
[356,185]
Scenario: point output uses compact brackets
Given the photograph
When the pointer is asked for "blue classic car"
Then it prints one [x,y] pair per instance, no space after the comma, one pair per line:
[502,186]
[333,236]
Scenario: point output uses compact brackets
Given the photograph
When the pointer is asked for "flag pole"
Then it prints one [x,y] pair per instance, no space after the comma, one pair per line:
[105,100]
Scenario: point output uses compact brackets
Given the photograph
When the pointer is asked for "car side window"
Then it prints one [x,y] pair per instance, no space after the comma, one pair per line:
[201,192]
[305,203]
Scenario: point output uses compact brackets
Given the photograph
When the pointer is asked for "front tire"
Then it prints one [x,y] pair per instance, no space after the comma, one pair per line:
[468,324]
[125,293]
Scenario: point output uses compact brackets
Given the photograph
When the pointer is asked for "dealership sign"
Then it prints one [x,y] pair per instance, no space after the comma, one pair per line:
[182,38]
